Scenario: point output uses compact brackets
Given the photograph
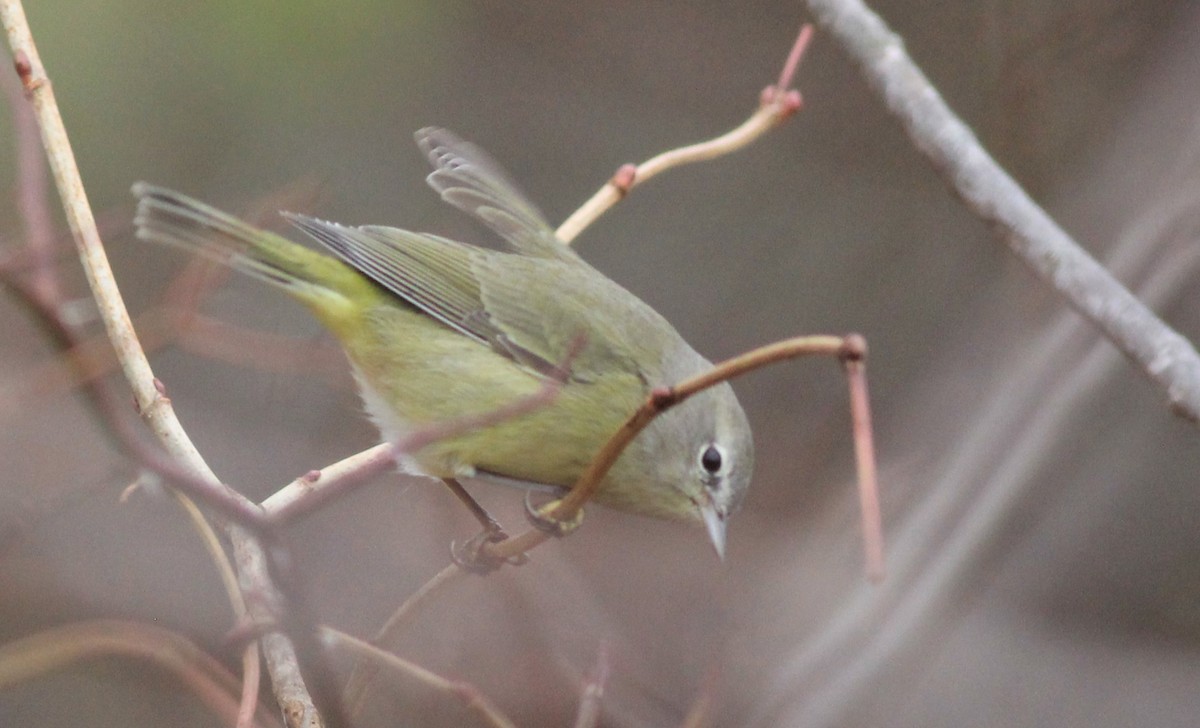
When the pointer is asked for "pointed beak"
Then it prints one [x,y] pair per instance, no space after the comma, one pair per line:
[714,521]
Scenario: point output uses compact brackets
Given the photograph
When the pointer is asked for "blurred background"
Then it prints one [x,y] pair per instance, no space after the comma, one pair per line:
[1040,501]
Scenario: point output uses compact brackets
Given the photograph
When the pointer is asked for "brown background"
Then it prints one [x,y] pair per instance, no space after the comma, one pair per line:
[1040,500]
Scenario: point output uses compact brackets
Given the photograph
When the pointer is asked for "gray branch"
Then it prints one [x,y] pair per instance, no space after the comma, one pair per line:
[1163,354]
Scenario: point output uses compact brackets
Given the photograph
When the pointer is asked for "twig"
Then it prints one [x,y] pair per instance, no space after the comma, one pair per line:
[40,238]
[700,713]
[35,655]
[363,673]
[156,409]
[864,458]
[850,349]
[777,102]
[467,694]
[1165,356]
[316,487]
[44,286]
[250,655]
[663,398]
[592,693]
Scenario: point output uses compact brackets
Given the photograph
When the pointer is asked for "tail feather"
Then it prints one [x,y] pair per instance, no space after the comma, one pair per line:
[168,217]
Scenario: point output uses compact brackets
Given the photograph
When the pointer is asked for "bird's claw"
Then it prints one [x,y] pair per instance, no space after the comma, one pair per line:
[473,556]
[540,518]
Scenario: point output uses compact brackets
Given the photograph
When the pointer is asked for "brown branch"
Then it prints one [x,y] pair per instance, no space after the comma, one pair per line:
[40,239]
[465,693]
[662,399]
[776,103]
[700,712]
[53,649]
[318,486]
[363,674]
[851,350]
[155,408]
[864,457]
[592,692]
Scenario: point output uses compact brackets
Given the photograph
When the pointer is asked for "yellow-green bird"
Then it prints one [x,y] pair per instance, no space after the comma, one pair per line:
[436,329]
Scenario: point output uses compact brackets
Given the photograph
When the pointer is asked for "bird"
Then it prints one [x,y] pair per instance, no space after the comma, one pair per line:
[436,329]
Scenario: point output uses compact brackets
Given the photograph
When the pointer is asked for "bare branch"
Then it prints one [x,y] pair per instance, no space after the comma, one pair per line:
[310,490]
[40,237]
[1165,356]
[700,712]
[364,673]
[592,693]
[663,398]
[318,486]
[467,694]
[56,648]
[155,408]
[776,104]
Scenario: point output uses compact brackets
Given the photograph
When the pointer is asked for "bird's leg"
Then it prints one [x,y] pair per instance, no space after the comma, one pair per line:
[470,555]
[490,525]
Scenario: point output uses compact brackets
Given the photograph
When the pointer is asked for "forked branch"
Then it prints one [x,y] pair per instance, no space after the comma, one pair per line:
[776,103]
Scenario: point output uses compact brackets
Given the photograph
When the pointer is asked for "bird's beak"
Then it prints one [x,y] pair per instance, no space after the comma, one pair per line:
[714,521]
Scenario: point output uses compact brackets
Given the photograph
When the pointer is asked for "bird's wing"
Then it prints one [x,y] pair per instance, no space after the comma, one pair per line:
[442,279]
[466,177]
[548,307]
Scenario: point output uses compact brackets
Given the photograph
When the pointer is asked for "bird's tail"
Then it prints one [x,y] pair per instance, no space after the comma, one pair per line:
[322,282]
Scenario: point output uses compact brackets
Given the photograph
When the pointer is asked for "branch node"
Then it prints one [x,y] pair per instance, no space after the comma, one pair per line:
[854,348]
[24,68]
[474,556]
[663,397]
[624,179]
[791,103]
[311,476]
[248,630]
[786,102]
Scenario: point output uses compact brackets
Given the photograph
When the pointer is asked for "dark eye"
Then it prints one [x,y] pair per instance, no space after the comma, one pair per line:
[710,459]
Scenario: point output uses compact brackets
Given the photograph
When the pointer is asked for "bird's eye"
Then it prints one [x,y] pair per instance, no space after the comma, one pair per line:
[711,459]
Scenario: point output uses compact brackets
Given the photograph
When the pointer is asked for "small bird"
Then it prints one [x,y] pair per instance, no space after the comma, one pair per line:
[436,329]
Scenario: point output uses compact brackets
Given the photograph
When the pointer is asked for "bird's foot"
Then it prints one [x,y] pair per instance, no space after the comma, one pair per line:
[474,557]
[540,518]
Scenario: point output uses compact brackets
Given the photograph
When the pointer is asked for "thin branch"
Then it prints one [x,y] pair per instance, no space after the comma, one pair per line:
[250,655]
[40,238]
[700,712]
[45,287]
[592,692]
[1165,356]
[864,458]
[662,399]
[364,673]
[776,103]
[465,693]
[56,648]
[318,486]
[155,408]
[849,349]
[315,487]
